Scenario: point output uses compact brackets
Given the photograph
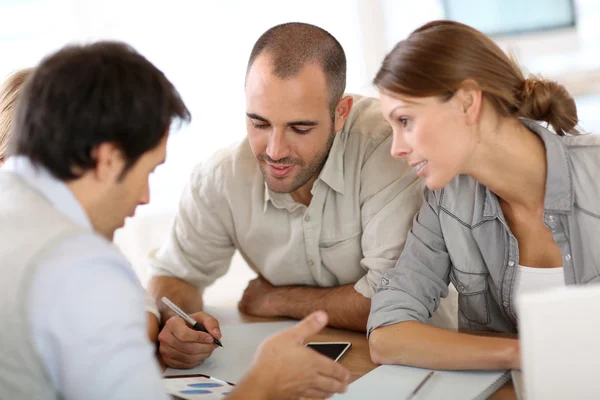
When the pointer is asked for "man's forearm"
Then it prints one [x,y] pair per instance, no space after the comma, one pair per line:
[347,308]
[186,296]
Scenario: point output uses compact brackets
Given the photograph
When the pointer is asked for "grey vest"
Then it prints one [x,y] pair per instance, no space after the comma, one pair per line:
[30,227]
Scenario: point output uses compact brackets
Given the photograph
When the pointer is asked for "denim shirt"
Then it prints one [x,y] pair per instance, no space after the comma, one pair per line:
[461,236]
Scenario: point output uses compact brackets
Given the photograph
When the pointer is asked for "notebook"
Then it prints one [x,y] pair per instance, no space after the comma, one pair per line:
[560,351]
[394,382]
[240,342]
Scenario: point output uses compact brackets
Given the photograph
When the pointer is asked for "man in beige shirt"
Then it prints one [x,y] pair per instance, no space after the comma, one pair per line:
[313,199]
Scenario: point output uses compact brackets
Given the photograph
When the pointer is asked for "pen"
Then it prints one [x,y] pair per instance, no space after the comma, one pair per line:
[423,382]
[191,321]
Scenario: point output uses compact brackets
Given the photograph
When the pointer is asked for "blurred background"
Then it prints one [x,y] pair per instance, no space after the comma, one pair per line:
[203,46]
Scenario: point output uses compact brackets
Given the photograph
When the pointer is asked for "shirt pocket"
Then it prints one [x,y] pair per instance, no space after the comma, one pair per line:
[342,258]
[473,300]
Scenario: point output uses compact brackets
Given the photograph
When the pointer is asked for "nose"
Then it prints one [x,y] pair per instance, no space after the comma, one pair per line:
[145,198]
[399,146]
[277,147]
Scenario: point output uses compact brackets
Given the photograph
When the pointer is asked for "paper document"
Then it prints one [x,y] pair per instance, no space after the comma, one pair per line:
[240,342]
[200,388]
[393,382]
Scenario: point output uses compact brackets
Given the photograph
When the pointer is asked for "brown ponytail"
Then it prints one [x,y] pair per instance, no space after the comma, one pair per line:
[544,100]
[437,58]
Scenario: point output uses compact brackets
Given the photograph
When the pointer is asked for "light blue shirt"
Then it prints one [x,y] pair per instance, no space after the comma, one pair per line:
[87,309]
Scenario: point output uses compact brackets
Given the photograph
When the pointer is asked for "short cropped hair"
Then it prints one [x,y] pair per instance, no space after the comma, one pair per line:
[294,45]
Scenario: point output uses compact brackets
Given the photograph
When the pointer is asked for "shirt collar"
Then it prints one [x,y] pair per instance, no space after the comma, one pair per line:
[559,195]
[333,170]
[332,174]
[491,205]
[53,189]
[559,185]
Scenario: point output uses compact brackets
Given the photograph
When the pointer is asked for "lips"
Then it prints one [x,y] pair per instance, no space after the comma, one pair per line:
[279,171]
[418,167]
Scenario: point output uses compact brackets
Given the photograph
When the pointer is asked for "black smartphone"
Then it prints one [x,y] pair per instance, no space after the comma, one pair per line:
[333,350]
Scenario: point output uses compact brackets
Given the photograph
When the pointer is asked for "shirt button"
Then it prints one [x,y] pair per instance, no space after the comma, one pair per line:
[505,304]
[311,262]
[552,222]
[568,257]
[307,218]
[461,287]
[511,263]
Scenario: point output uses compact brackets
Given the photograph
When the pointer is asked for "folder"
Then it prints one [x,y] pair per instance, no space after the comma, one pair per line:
[396,382]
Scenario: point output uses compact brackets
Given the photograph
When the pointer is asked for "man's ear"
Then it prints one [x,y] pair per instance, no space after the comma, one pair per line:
[470,101]
[342,110]
[109,162]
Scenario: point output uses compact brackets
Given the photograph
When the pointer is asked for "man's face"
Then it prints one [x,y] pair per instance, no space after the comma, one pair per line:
[131,190]
[289,125]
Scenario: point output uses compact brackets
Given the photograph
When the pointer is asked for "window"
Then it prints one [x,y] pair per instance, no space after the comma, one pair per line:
[511,17]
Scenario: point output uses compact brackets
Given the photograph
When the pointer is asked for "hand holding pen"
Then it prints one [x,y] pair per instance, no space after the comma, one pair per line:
[192,322]
[186,341]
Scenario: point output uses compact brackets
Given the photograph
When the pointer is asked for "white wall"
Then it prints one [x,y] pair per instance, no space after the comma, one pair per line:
[203,47]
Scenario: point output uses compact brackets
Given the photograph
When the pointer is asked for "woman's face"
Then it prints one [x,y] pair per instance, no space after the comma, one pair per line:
[431,134]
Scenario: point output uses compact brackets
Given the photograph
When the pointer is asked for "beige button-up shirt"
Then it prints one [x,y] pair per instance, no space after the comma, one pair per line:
[353,230]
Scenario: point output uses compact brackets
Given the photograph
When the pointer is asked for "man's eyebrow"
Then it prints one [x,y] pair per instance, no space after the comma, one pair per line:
[303,122]
[256,116]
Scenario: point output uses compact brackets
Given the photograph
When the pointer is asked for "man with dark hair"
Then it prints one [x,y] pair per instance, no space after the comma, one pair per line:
[9,93]
[313,199]
[92,124]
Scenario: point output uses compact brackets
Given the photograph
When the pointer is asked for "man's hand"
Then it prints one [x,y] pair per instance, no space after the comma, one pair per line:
[183,347]
[256,298]
[283,368]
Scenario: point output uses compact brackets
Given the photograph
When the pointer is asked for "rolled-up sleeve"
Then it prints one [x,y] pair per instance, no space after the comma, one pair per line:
[150,305]
[391,196]
[199,248]
[413,288]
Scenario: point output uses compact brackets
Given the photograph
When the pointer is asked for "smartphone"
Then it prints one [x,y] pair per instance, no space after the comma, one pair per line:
[333,350]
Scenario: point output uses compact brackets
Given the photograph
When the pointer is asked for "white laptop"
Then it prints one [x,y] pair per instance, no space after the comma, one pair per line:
[559,332]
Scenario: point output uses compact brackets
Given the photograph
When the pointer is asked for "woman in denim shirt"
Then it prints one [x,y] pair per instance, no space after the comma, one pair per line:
[510,205]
